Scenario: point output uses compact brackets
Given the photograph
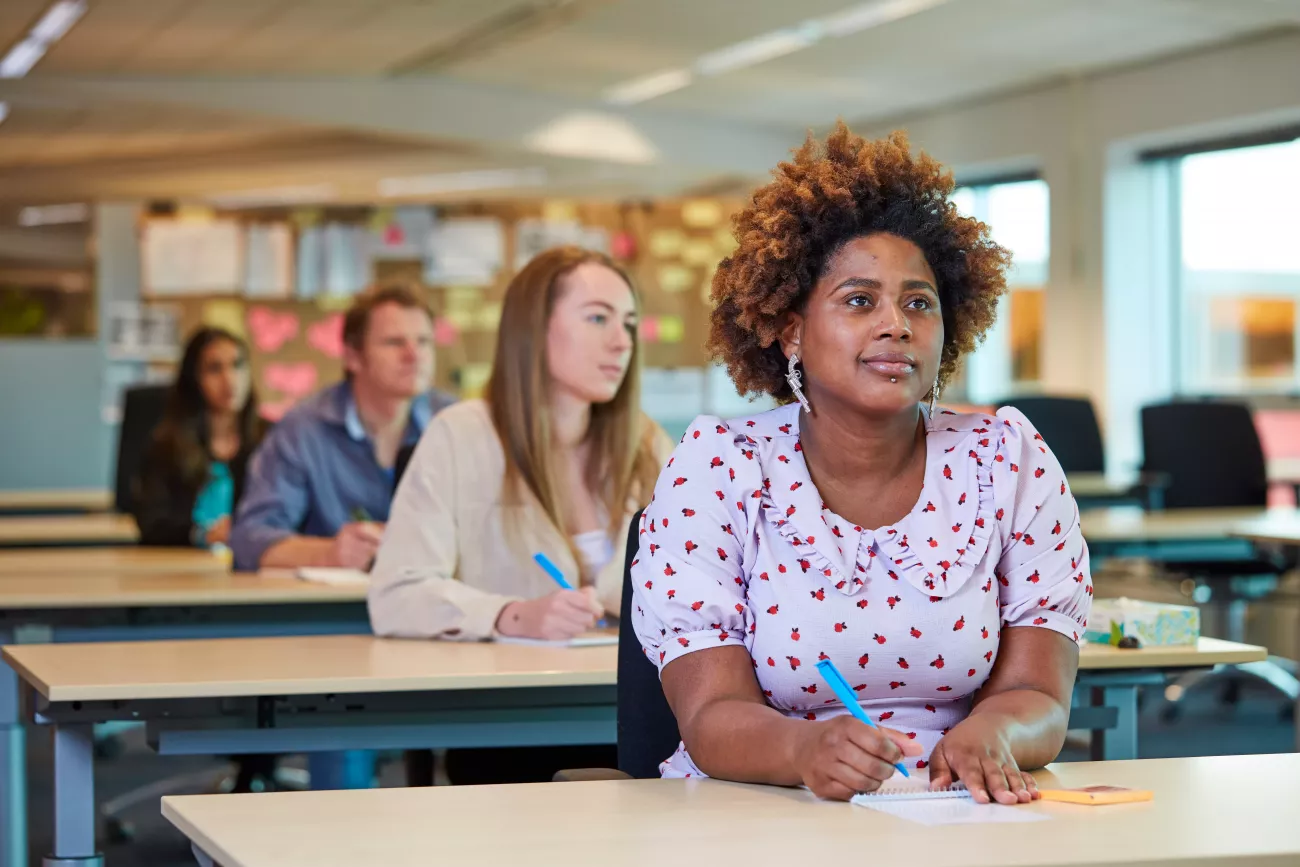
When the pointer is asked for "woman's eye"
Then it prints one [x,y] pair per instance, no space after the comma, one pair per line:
[919,304]
[598,318]
[859,301]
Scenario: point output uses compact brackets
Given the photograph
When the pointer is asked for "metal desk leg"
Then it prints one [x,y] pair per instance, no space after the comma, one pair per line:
[74,798]
[13,769]
[1121,742]
[201,856]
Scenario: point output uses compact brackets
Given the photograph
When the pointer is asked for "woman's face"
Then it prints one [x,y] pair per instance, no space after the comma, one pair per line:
[870,336]
[224,377]
[589,338]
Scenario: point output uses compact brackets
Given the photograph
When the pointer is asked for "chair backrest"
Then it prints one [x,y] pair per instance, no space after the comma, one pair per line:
[647,729]
[142,409]
[1069,426]
[1210,452]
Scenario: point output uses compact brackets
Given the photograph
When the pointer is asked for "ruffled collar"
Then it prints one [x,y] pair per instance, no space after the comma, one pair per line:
[936,547]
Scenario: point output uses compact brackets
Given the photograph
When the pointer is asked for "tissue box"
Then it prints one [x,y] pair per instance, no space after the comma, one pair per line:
[1155,624]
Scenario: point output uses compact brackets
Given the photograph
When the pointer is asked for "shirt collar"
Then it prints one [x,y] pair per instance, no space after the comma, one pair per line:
[342,410]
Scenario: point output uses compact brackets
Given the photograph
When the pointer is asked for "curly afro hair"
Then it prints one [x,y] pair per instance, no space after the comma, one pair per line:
[824,198]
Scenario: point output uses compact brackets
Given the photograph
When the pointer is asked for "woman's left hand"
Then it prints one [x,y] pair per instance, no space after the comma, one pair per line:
[978,753]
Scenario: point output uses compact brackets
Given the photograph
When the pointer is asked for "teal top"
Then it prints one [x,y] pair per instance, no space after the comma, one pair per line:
[216,499]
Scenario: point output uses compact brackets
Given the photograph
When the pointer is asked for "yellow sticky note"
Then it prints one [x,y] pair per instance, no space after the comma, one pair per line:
[699,252]
[671,329]
[724,241]
[701,213]
[559,211]
[225,314]
[379,219]
[463,319]
[472,379]
[489,316]
[305,218]
[666,243]
[674,278]
[333,303]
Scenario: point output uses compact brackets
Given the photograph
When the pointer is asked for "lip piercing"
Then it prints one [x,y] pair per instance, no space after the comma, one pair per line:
[893,379]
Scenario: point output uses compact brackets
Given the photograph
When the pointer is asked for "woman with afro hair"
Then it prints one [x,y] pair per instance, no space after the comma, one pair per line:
[935,558]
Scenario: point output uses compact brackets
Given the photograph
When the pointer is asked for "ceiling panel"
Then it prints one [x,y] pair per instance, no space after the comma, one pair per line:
[110,32]
[16,17]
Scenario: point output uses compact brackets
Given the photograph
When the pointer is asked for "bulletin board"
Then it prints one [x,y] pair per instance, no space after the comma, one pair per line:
[670,249]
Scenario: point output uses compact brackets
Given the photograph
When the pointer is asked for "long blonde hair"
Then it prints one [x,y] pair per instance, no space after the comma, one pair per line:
[621,466]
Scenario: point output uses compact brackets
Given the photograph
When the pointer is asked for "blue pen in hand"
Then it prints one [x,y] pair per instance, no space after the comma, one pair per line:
[844,693]
[551,569]
[557,576]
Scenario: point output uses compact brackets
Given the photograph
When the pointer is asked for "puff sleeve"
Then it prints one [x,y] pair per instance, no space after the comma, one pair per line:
[1043,569]
[689,579]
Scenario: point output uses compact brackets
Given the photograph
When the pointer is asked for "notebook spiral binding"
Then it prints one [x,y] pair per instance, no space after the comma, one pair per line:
[897,792]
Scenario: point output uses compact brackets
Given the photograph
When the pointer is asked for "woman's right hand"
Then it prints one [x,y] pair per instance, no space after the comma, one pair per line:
[557,617]
[843,756]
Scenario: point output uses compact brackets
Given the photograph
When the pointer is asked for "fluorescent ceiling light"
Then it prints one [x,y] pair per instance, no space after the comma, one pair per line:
[52,27]
[760,49]
[54,215]
[648,87]
[868,15]
[590,135]
[455,182]
[302,194]
[769,46]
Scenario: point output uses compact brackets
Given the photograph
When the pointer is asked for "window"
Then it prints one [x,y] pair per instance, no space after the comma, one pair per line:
[1238,218]
[1010,358]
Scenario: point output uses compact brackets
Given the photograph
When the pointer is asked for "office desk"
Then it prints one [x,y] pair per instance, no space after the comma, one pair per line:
[1192,822]
[108,528]
[1171,534]
[133,604]
[1280,527]
[125,560]
[327,693]
[57,500]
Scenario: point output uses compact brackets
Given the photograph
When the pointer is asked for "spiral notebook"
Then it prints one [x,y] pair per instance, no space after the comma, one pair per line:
[911,799]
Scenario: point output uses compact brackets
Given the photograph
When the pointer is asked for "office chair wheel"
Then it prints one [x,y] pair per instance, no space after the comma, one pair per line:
[118,830]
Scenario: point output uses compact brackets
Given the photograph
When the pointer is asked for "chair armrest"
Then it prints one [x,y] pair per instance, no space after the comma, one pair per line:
[589,775]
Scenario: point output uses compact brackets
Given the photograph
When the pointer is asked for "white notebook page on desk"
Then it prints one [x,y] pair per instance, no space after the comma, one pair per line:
[911,799]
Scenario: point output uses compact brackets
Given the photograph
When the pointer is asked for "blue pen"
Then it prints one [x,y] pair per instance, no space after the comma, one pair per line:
[558,577]
[551,569]
[844,693]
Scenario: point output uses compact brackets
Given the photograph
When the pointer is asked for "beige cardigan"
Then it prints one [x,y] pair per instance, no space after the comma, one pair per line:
[445,569]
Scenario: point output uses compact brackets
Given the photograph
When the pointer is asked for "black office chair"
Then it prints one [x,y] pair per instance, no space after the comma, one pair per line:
[646,728]
[1070,425]
[1210,453]
[142,409]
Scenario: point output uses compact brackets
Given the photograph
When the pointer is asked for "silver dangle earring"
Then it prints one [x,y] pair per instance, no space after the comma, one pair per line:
[934,395]
[795,379]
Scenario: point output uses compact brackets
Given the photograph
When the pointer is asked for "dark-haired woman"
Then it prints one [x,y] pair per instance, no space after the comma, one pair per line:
[193,471]
[935,559]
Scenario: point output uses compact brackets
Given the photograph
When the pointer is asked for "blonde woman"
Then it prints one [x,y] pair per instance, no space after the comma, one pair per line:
[554,461]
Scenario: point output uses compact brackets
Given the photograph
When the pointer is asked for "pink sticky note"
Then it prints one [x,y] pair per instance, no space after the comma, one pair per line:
[650,329]
[445,332]
[274,410]
[623,245]
[293,379]
[271,330]
[327,335]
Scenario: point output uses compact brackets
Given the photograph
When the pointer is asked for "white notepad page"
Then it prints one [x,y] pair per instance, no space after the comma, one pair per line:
[911,799]
[331,575]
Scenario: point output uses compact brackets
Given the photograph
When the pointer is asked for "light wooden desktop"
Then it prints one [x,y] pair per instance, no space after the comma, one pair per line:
[125,560]
[1207,812]
[127,588]
[1132,524]
[57,500]
[361,663]
[89,529]
[1281,527]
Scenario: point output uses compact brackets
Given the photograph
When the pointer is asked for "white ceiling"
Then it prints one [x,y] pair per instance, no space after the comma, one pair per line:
[183,97]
